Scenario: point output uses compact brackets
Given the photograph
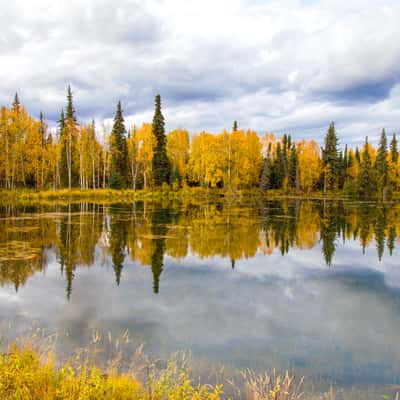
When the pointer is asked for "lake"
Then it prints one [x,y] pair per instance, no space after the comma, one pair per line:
[310,286]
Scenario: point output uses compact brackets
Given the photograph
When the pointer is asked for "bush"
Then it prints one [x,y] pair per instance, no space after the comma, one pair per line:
[116,181]
[23,375]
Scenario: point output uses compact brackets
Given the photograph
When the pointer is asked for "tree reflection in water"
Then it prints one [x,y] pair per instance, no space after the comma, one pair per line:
[146,232]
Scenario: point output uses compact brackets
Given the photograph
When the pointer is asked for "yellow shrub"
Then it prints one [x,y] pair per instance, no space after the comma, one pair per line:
[24,376]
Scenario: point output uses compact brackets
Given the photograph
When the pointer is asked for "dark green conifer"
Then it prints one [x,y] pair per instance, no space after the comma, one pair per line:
[16,103]
[70,110]
[119,151]
[265,180]
[330,158]
[381,163]
[61,121]
[394,153]
[366,174]
[63,161]
[357,154]
[235,126]
[293,178]
[279,167]
[42,129]
[69,171]
[161,166]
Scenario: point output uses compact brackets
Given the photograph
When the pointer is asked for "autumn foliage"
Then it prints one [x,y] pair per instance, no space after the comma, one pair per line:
[77,155]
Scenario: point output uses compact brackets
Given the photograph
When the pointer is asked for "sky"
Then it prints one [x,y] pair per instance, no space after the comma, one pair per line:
[283,66]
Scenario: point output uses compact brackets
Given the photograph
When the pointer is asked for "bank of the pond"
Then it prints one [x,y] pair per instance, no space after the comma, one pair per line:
[187,193]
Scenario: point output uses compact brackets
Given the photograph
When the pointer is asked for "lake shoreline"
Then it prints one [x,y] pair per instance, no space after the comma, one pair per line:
[162,194]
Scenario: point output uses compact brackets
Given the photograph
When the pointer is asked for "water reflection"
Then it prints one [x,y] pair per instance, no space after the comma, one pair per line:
[279,284]
[146,232]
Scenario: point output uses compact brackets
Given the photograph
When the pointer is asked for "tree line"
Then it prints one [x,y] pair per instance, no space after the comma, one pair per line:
[145,157]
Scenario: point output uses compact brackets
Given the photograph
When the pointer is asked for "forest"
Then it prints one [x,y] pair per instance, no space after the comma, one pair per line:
[78,155]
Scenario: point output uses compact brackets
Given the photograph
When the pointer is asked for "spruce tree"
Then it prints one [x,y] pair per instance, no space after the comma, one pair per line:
[70,110]
[16,103]
[61,121]
[161,166]
[344,166]
[381,163]
[330,158]
[357,154]
[69,164]
[265,180]
[366,174]
[63,161]
[394,152]
[293,169]
[289,142]
[235,126]
[279,167]
[119,151]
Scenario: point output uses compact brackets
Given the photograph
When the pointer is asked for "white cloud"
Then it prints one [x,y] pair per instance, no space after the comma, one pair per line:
[287,67]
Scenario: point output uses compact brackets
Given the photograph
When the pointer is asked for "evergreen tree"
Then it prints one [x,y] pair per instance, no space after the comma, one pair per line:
[265,180]
[366,174]
[394,153]
[381,163]
[341,170]
[161,166]
[40,179]
[293,169]
[119,151]
[68,135]
[330,158]
[344,157]
[285,152]
[16,103]
[61,121]
[70,106]
[63,162]
[235,126]
[279,167]
[289,142]
[357,154]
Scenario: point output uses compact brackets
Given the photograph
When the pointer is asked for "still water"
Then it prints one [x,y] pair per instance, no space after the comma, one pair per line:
[309,286]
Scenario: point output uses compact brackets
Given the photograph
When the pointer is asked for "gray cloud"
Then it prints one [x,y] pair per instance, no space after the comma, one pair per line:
[273,67]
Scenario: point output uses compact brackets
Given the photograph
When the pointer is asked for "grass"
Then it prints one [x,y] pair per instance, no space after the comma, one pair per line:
[166,192]
[27,374]
[105,194]
[186,194]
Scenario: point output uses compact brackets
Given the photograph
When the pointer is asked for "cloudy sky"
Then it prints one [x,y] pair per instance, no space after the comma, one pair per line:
[283,66]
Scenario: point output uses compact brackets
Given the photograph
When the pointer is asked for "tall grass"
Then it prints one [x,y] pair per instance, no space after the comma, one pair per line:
[25,374]
[29,370]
